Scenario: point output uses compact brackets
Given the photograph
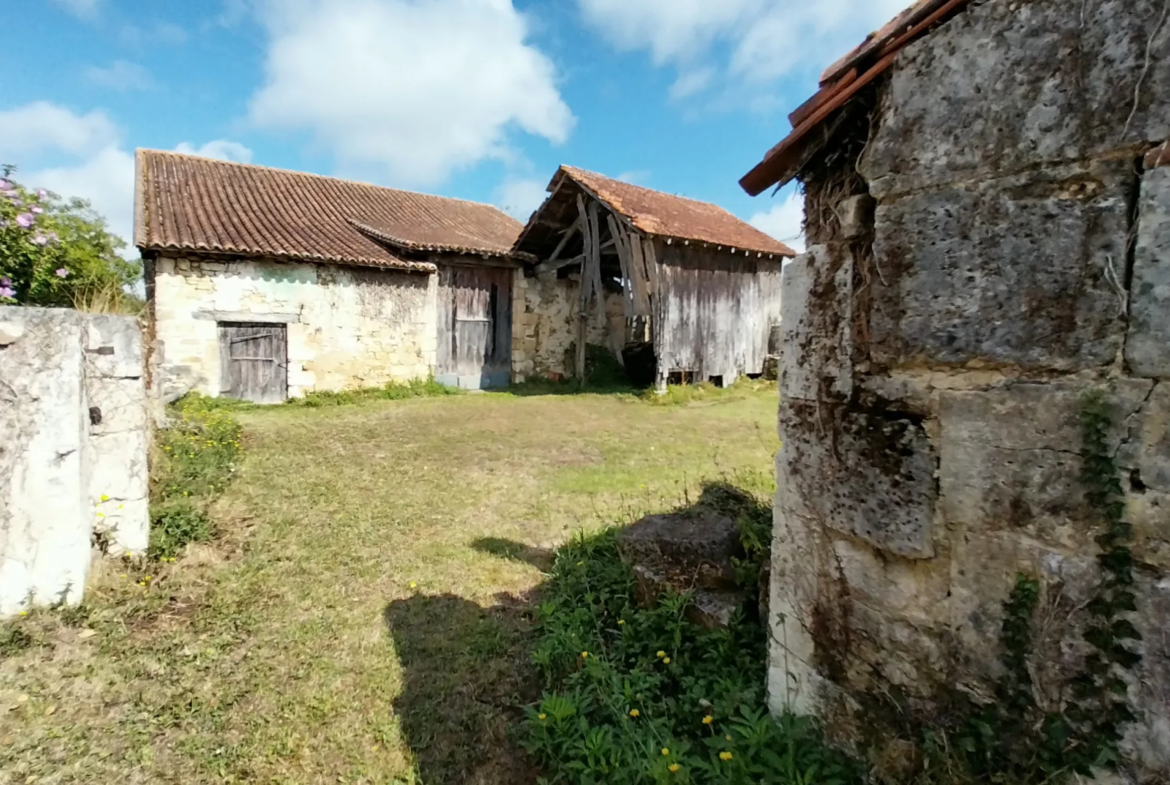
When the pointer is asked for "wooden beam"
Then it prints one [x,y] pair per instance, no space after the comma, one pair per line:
[549,267]
[568,234]
[583,292]
[595,264]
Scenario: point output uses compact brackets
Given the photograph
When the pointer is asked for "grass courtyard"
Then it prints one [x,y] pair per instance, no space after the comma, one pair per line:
[361,615]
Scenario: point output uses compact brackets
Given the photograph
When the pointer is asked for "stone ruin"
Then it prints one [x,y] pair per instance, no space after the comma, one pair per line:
[989,235]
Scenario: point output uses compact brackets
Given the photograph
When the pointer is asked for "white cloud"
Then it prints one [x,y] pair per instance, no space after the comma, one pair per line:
[85,9]
[119,75]
[222,149]
[519,198]
[106,180]
[91,161]
[765,39]
[413,90]
[784,221]
[32,128]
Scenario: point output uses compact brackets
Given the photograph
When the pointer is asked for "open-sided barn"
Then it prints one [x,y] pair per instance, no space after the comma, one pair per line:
[629,267]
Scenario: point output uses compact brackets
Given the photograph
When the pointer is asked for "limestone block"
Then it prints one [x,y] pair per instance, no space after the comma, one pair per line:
[113,346]
[816,343]
[912,590]
[1010,459]
[44,523]
[869,475]
[1147,349]
[10,332]
[885,649]
[1014,270]
[1147,449]
[856,216]
[1147,741]
[798,547]
[1149,514]
[980,94]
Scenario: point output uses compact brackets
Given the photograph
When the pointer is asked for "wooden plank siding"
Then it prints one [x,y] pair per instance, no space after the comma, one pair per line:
[713,310]
[474,326]
[254,361]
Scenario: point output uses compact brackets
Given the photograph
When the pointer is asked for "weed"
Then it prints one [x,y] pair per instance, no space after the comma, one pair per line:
[641,695]
[391,391]
[174,525]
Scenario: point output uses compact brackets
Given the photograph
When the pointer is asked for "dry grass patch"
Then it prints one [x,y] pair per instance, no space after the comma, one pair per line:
[362,617]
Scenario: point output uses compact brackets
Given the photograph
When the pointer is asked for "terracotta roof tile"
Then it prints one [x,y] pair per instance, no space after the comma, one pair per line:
[184,202]
[666,215]
[839,84]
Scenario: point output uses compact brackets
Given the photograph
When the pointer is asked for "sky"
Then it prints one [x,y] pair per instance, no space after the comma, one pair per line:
[476,99]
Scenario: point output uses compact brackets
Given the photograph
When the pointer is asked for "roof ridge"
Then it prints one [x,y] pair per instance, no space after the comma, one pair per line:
[570,169]
[332,178]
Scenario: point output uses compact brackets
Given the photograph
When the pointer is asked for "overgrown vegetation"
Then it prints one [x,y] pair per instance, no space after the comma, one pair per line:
[1014,740]
[642,695]
[391,391]
[59,252]
[195,457]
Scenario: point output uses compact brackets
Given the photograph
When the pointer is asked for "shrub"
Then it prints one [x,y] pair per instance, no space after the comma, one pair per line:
[641,695]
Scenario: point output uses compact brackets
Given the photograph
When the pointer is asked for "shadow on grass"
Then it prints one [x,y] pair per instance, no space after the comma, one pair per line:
[541,387]
[467,673]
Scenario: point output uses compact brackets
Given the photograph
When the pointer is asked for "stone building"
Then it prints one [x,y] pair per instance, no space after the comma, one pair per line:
[265,284]
[988,214]
[615,264]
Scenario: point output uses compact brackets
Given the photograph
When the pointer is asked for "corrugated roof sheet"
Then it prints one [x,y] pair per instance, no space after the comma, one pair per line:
[184,202]
[665,215]
[839,83]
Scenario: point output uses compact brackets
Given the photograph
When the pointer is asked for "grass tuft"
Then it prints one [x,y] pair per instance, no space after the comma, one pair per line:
[391,391]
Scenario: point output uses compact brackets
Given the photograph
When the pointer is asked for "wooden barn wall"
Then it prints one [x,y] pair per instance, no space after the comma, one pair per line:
[715,310]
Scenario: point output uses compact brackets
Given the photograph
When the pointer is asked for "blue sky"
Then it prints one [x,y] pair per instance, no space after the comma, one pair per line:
[479,99]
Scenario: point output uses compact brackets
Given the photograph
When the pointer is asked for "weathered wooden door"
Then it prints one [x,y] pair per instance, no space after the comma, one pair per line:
[475,327]
[253,361]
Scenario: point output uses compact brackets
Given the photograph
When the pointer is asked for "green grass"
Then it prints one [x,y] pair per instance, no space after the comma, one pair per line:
[364,613]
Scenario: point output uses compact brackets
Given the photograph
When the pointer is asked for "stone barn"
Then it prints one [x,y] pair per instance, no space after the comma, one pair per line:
[265,284]
[975,371]
[680,283]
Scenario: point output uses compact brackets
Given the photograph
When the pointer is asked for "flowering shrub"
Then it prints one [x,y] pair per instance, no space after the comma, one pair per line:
[641,695]
[195,457]
[53,251]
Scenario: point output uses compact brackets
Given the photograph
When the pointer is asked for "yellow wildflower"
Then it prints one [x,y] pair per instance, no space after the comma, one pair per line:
[674,767]
[24,613]
[105,498]
[665,751]
[666,660]
[621,622]
[584,655]
[660,654]
[725,755]
[708,720]
[542,717]
[635,713]
[580,563]
[413,584]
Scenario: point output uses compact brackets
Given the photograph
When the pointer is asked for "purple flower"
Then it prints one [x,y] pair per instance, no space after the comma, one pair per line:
[52,237]
[5,281]
[7,291]
[36,210]
[6,186]
[62,272]
[42,193]
[39,239]
[26,219]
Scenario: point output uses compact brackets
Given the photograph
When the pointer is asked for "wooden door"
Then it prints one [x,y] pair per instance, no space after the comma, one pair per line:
[254,361]
[475,327]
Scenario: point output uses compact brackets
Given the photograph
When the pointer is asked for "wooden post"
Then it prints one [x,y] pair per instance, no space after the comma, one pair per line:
[589,241]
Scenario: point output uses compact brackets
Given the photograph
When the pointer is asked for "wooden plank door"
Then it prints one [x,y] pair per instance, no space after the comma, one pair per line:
[475,327]
[254,361]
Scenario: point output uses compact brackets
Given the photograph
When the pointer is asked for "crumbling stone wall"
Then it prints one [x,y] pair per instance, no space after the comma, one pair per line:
[73,449]
[544,325]
[999,249]
[346,326]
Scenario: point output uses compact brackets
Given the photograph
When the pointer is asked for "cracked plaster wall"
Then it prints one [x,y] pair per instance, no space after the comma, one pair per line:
[73,449]
[934,362]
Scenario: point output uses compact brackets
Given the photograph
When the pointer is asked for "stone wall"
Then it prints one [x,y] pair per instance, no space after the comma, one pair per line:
[347,326]
[544,325]
[1004,251]
[73,449]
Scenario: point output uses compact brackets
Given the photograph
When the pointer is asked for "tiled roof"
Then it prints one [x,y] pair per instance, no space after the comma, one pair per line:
[665,215]
[839,84]
[184,202]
